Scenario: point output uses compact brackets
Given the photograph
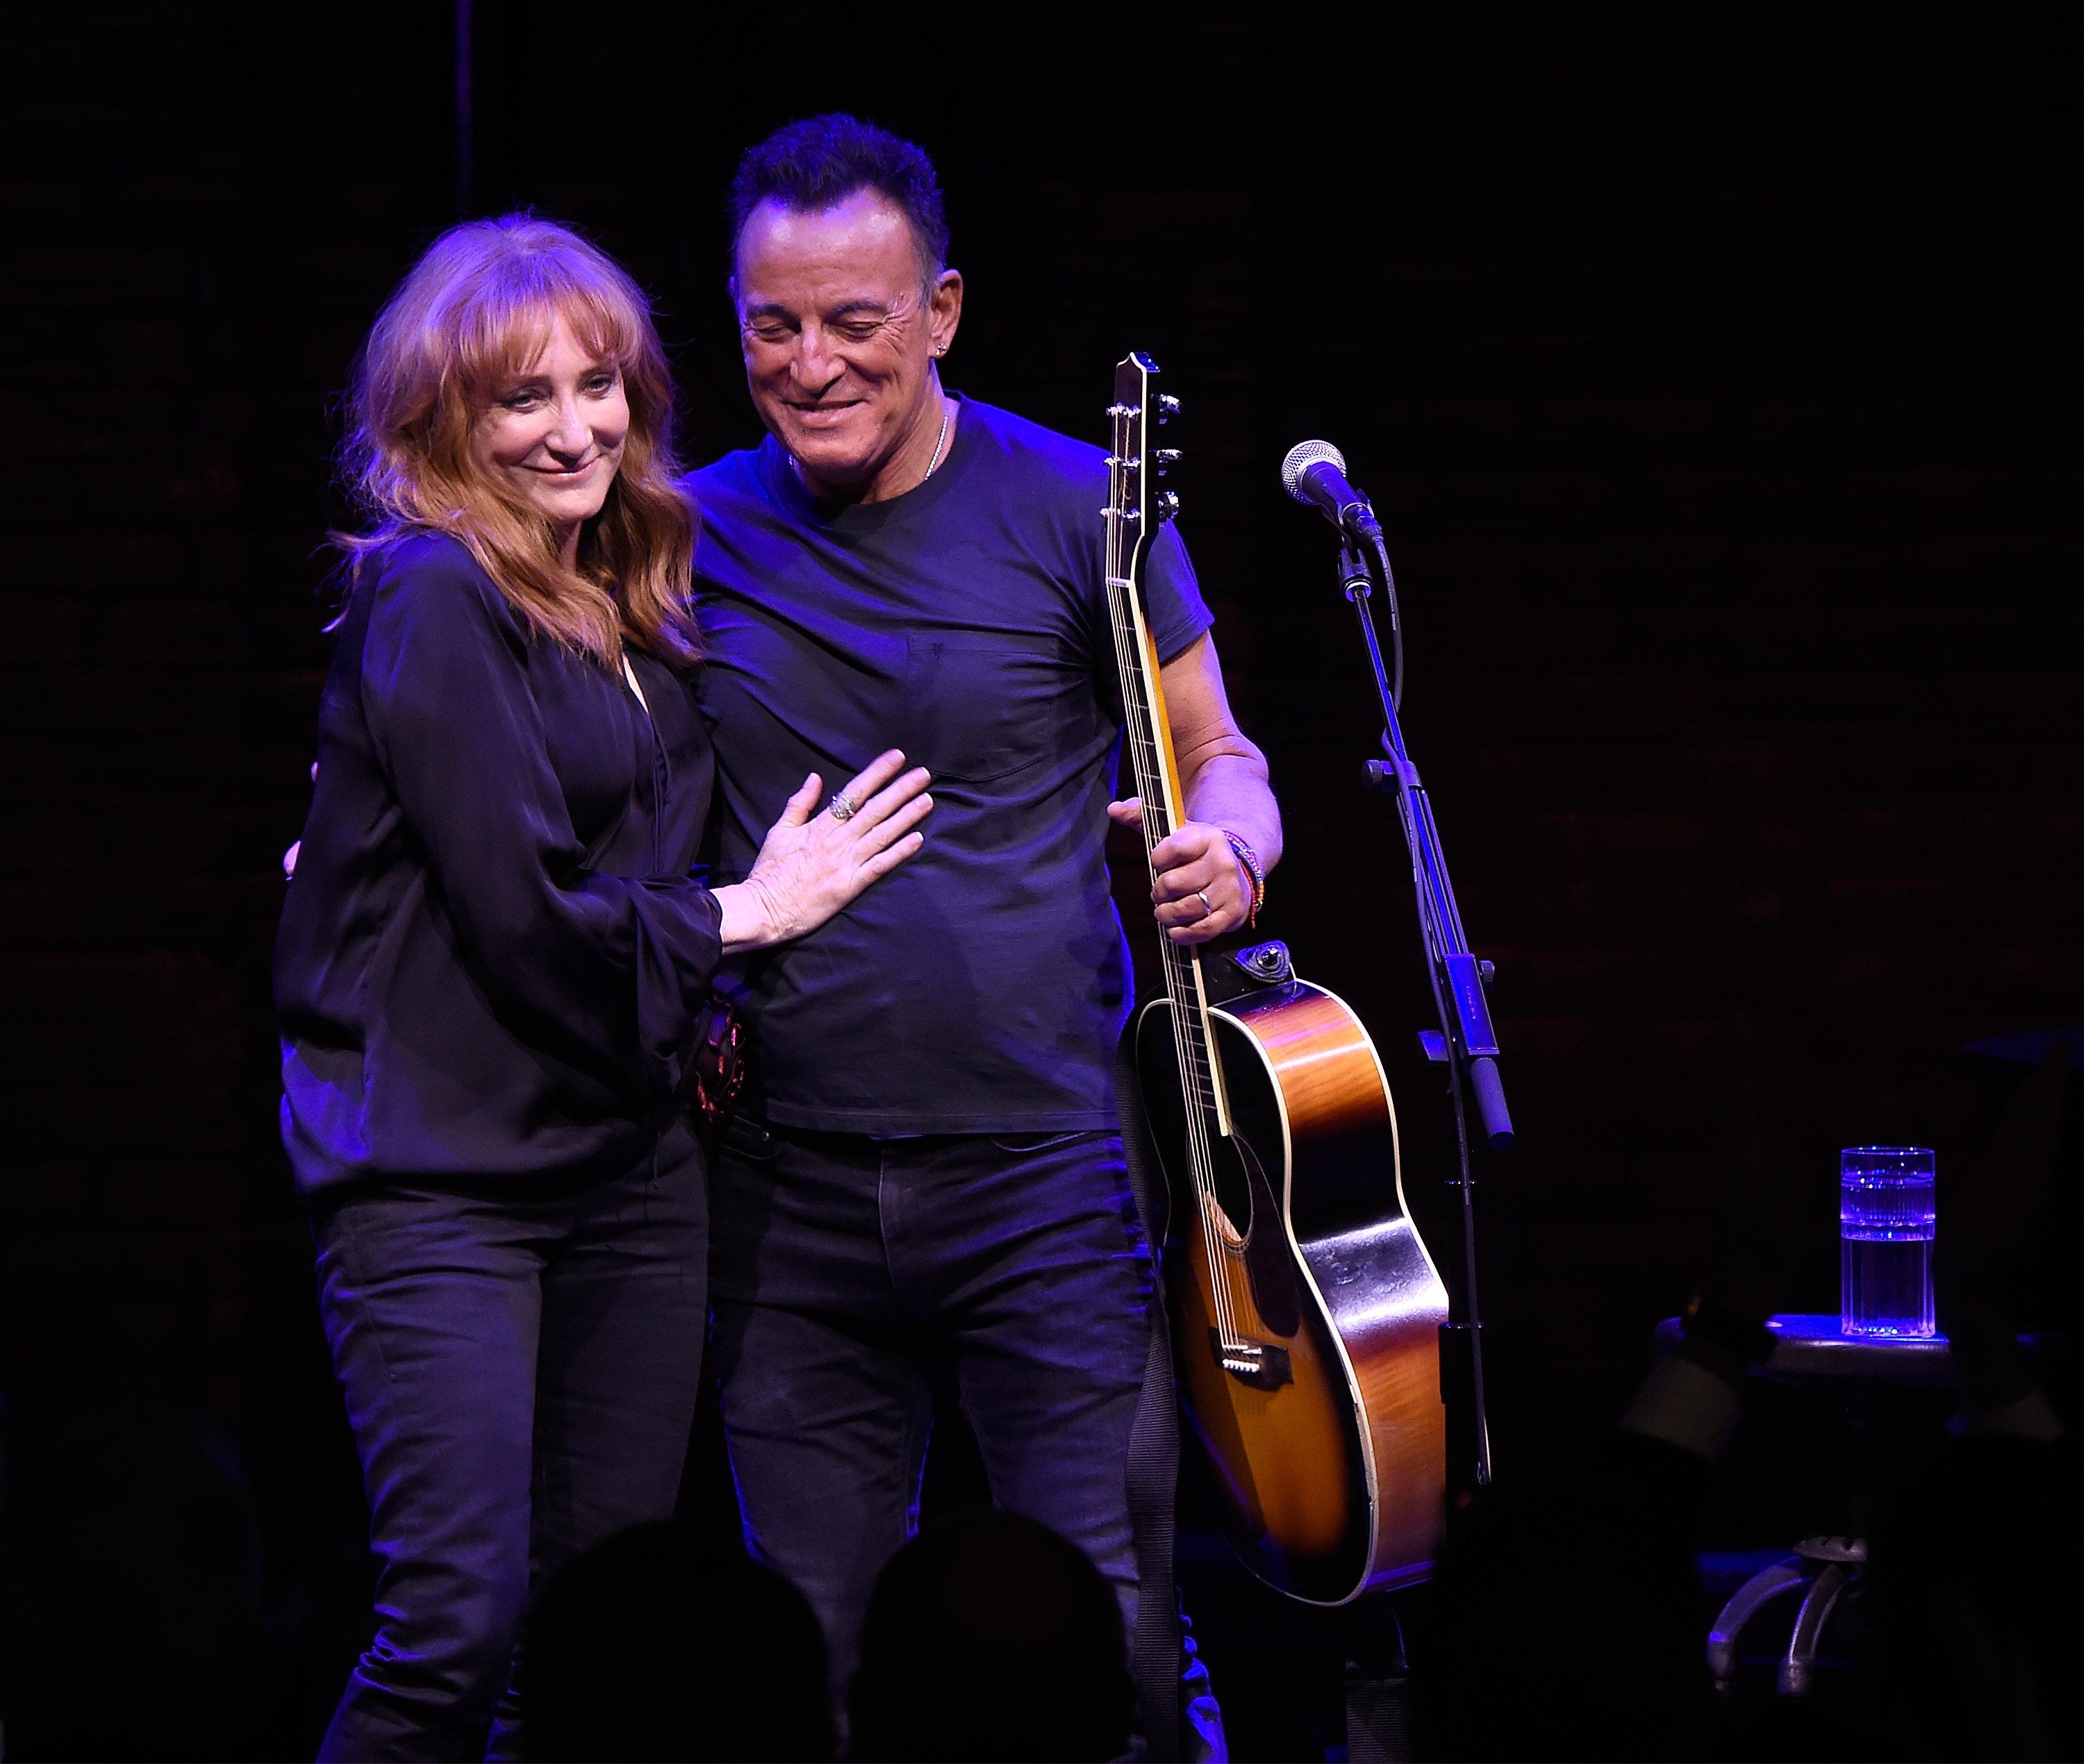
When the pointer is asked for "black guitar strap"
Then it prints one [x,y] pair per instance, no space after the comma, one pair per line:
[1154,1446]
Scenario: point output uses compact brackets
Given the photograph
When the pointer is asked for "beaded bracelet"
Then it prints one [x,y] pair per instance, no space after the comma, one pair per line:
[1249,858]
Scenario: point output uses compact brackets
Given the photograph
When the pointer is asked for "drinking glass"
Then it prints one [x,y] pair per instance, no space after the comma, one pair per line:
[1885,1221]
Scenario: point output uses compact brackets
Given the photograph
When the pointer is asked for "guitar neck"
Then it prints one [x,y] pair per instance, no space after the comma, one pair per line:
[1147,735]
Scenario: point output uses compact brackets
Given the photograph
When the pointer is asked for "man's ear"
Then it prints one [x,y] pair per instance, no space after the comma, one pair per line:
[730,288]
[946,299]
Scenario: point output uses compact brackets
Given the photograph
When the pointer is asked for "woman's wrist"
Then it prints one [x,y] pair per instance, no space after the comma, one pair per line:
[743,922]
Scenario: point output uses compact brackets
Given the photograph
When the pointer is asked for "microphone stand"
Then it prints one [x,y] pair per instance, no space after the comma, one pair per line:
[1465,1041]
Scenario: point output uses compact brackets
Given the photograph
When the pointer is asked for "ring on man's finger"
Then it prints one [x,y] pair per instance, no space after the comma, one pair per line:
[1207,905]
[842,807]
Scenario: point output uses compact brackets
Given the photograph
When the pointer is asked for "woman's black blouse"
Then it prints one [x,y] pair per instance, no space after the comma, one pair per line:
[493,956]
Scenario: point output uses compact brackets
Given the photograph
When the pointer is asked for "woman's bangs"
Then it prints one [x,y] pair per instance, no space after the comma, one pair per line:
[511,327]
[600,322]
[593,303]
[502,334]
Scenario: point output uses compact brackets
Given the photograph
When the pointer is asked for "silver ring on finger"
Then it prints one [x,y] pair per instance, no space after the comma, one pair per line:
[1207,905]
[842,807]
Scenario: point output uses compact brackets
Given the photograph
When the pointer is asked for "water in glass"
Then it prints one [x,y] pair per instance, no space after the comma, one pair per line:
[1886,1216]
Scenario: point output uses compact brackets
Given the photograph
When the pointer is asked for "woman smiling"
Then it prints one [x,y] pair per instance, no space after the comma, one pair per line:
[495,964]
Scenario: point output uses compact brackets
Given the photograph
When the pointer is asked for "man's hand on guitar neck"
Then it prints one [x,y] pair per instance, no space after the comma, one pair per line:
[1204,889]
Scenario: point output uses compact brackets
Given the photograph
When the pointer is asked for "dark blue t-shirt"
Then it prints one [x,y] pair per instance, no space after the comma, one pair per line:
[982,986]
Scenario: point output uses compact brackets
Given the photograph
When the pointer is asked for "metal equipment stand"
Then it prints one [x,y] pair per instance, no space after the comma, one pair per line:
[1465,1043]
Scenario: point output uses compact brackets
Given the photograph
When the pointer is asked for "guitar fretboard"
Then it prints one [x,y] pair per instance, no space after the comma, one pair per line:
[1134,508]
[1183,979]
[1144,735]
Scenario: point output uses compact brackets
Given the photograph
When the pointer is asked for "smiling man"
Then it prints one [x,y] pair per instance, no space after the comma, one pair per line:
[928,1171]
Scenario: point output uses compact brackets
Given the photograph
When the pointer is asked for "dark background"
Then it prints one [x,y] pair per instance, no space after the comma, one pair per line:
[1716,372]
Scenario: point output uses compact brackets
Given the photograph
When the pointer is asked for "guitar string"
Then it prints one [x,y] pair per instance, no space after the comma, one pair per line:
[1193,1072]
[1188,1025]
[1151,784]
[1141,723]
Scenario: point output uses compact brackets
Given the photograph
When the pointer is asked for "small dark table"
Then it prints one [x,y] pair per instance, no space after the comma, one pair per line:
[1808,1347]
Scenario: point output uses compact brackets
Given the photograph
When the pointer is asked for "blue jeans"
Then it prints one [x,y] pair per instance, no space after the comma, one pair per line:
[842,1265]
[520,1371]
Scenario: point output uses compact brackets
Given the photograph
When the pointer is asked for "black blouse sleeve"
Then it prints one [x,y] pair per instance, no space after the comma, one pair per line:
[601,966]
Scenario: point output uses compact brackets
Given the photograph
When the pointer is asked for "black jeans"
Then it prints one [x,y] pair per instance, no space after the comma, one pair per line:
[842,1263]
[521,1373]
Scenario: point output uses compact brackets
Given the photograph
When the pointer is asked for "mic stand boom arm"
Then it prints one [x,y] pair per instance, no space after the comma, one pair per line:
[1466,1042]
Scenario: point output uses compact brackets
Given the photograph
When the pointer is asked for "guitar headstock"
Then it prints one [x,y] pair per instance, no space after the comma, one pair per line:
[1137,504]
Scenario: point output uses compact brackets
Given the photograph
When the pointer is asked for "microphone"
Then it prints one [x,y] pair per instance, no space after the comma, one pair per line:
[1314,473]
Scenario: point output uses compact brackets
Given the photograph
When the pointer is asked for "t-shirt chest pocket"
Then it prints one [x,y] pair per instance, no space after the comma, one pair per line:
[980,708]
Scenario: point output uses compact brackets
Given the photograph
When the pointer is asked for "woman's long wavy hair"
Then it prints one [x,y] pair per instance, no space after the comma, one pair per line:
[471,320]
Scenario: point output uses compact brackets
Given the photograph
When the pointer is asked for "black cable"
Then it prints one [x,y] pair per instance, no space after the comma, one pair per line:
[1396,624]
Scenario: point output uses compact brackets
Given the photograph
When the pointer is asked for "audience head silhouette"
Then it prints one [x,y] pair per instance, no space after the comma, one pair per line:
[656,1644]
[991,1637]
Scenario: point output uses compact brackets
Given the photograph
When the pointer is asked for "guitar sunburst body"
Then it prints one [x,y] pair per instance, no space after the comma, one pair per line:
[1306,1309]
[1333,1477]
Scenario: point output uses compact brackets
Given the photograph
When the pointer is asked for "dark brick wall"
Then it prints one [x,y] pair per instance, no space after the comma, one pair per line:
[1718,379]
[1719,388]
[136,1159]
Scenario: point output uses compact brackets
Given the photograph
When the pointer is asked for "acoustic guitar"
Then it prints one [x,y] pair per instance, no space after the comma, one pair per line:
[1305,1309]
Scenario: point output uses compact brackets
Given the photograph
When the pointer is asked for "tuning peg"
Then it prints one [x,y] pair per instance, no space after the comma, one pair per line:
[1168,407]
[1168,504]
[1167,456]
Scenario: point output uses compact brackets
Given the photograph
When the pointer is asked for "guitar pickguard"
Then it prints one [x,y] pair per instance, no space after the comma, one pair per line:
[1275,1288]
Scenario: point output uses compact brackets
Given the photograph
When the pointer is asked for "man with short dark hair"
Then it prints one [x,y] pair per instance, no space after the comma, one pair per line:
[929,1168]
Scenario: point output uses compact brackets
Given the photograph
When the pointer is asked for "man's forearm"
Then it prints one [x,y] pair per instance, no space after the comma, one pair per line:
[1230,790]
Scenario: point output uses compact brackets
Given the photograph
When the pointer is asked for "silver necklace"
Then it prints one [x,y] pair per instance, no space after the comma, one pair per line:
[940,440]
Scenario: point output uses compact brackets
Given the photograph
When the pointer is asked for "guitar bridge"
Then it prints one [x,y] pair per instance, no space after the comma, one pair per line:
[1262,1364]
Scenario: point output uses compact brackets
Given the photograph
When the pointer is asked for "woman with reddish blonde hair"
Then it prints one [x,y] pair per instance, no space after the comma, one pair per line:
[494,965]
[457,336]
